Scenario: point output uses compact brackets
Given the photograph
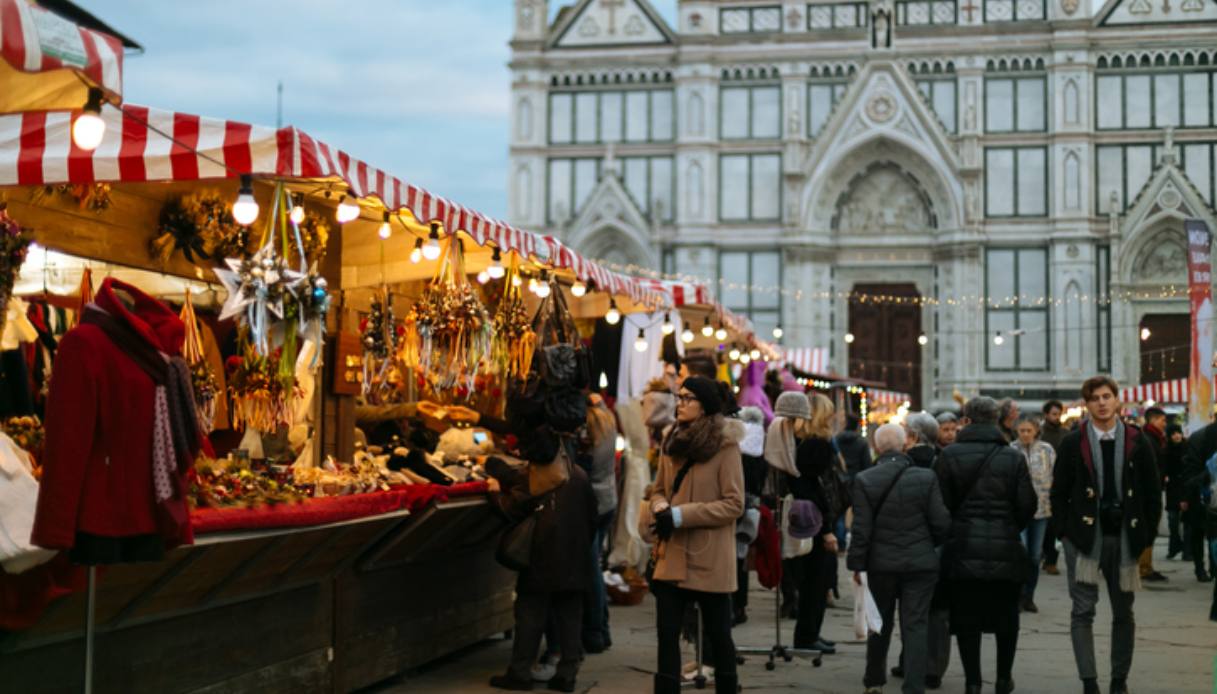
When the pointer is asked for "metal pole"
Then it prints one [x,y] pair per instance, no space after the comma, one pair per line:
[89,626]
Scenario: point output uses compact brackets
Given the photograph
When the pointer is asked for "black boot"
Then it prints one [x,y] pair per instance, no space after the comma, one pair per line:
[726,684]
[971,689]
[1091,687]
[1003,686]
[666,684]
[1119,686]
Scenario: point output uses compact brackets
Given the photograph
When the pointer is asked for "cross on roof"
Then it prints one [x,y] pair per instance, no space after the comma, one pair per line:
[612,6]
[969,8]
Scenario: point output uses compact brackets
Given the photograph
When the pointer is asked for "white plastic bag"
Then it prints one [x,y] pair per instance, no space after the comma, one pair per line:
[791,546]
[18,501]
[867,619]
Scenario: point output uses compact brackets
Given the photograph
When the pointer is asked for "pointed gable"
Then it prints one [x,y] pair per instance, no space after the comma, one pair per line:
[612,223]
[1132,12]
[611,23]
[1168,194]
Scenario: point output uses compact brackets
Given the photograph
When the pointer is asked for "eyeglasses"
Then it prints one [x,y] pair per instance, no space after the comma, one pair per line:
[685,397]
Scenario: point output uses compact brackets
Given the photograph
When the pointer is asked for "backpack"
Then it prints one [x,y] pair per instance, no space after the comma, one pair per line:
[1208,495]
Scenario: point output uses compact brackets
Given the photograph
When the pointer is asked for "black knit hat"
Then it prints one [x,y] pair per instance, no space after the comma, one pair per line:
[706,392]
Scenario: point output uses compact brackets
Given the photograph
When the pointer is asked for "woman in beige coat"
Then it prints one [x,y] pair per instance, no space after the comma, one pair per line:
[697,496]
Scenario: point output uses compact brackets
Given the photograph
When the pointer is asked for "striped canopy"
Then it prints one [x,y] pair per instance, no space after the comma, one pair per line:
[1175,391]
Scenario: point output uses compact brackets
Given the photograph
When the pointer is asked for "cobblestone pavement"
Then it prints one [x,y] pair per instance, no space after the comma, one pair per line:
[1176,648]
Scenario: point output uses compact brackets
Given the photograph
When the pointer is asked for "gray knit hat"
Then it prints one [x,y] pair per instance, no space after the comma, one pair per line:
[792,405]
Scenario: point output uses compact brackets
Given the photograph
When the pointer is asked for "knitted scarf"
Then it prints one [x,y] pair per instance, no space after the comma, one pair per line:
[1087,570]
[175,429]
[697,441]
[779,446]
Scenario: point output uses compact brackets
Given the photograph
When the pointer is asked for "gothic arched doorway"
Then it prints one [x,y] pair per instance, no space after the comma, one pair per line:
[885,321]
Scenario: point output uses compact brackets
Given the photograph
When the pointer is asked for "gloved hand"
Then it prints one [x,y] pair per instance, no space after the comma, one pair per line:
[664,524]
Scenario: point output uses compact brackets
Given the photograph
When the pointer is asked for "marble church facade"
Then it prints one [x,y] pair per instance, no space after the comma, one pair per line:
[1004,181]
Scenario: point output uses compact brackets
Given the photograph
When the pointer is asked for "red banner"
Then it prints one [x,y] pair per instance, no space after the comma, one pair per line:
[1200,295]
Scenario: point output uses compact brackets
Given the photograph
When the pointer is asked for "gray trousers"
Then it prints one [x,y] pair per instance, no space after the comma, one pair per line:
[1085,597]
[914,591]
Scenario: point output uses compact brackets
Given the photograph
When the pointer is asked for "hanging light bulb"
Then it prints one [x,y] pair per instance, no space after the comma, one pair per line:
[348,209]
[483,277]
[778,332]
[923,340]
[686,336]
[849,338]
[89,129]
[431,247]
[1144,334]
[755,354]
[578,289]
[733,354]
[744,358]
[613,317]
[603,380]
[706,329]
[543,285]
[496,270]
[297,213]
[721,333]
[386,230]
[416,255]
[532,284]
[516,281]
[640,343]
[668,328]
[245,209]
[999,340]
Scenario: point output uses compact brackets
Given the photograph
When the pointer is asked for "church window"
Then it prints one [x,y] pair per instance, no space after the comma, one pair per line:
[1016,182]
[1102,286]
[941,95]
[750,284]
[750,112]
[822,96]
[1016,306]
[569,182]
[1200,165]
[750,20]
[650,182]
[1016,104]
[1154,98]
[597,117]
[925,12]
[749,187]
[1124,170]
[1014,10]
[842,15]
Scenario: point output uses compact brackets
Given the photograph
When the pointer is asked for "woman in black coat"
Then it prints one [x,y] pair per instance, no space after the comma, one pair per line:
[987,488]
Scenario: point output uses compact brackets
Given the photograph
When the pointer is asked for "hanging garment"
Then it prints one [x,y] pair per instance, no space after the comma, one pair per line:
[18,498]
[638,368]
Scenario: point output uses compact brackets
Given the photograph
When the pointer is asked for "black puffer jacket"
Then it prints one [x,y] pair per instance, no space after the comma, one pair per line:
[912,522]
[986,522]
[855,450]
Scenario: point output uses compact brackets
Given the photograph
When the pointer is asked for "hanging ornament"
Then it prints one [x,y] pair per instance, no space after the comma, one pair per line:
[257,289]
[514,340]
[201,376]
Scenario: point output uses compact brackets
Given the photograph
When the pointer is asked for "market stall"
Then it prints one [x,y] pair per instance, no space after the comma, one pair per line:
[328,287]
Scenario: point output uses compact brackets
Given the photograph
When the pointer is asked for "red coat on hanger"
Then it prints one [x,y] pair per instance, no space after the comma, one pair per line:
[97,466]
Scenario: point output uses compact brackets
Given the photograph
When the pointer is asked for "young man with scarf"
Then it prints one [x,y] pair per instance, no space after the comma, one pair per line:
[1106,501]
[1155,430]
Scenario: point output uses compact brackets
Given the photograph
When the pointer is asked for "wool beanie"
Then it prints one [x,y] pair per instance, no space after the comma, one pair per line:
[706,392]
[792,405]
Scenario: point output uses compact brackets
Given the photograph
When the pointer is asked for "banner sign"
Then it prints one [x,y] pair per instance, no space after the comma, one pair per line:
[1200,296]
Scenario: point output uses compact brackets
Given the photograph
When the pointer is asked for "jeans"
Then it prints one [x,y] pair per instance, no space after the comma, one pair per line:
[914,592]
[1033,538]
[532,612]
[670,603]
[1086,597]
[839,531]
[595,601]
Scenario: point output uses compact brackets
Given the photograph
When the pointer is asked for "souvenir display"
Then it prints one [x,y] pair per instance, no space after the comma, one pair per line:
[14,245]
[201,226]
[201,376]
[229,483]
[262,397]
[514,339]
[93,197]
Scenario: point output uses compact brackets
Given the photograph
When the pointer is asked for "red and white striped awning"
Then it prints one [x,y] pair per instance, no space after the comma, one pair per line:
[812,360]
[145,144]
[887,397]
[1175,391]
[684,293]
[49,63]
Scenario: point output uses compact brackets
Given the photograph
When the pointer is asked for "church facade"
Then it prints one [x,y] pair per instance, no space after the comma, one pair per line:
[952,196]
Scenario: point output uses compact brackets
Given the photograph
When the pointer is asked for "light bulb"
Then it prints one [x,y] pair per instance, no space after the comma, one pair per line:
[516,281]
[745,358]
[348,210]
[707,329]
[640,344]
[733,354]
[603,380]
[721,333]
[1144,334]
[417,253]
[483,277]
[613,317]
[245,209]
[543,288]
[668,327]
[495,270]
[923,340]
[849,338]
[297,214]
[686,336]
[386,230]
[578,289]
[777,333]
[999,340]
[431,247]
[89,129]
[532,284]
[755,354]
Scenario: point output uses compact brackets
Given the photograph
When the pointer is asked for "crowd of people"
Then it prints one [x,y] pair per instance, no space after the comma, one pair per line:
[951,518]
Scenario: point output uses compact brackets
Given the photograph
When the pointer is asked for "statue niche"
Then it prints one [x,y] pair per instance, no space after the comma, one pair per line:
[884,199]
[1163,261]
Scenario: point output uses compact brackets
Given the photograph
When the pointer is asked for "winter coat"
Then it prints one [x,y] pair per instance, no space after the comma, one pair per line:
[923,455]
[1200,447]
[855,450]
[561,546]
[1173,469]
[700,555]
[1076,493]
[986,522]
[1053,434]
[1041,458]
[97,464]
[911,524]
[603,451]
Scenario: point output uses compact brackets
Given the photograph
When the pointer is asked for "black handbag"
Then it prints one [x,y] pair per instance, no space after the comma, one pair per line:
[515,546]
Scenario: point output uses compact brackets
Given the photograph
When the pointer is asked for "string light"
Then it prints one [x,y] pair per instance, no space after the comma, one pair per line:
[706,329]
[416,255]
[297,213]
[613,317]
[603,380]
[849,338]
[386,230]
[923,340]
[483,277]
[348,210]
[668,327]
[755,354]
[733,355]
[745,358]
[516,281]
[496,270]
[245,209]
[1144,334]
[686,336]
[532,284]
[777,332]
[431,247]
[640,343]
[999,340]
[578,289]
[543,285]
[721,333]
[89,129]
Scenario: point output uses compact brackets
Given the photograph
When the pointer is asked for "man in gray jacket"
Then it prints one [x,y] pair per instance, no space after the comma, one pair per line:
[899,521]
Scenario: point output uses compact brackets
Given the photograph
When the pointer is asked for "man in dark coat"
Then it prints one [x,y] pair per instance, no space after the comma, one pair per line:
[1172,473]
[1106,501]
[1052,432]
[854,449]
[1198,480]
[987,488]
[899,521]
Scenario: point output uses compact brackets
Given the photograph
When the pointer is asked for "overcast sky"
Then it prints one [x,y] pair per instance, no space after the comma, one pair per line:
[419,88]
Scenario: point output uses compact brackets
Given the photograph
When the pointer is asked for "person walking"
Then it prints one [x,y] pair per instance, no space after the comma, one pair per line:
[854,449]
[1173,476]
[1106,494]
[1192,513]
[697,496]
[922,439]
[899,521]
[987,488]
[1155,431]
[948,429]
[1052,431]
[1200,471]
[1040,459]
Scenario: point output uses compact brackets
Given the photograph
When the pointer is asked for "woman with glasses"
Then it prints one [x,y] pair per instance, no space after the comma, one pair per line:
[690,515]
